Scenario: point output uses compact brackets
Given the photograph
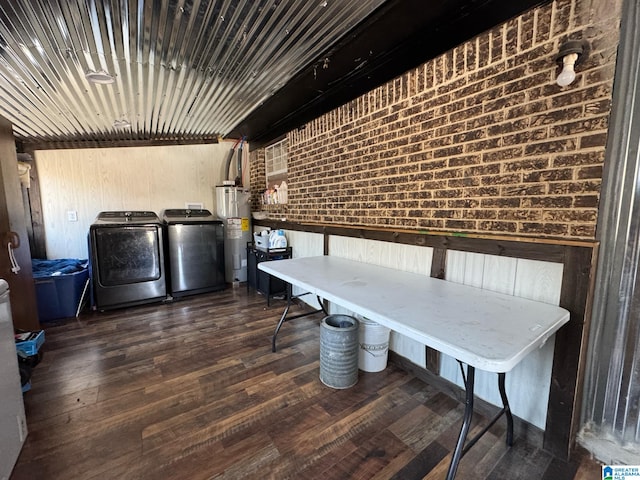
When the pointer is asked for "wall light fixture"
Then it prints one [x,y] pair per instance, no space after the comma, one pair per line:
[571,53]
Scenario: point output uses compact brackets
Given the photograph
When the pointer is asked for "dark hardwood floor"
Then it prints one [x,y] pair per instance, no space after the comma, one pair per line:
[191,390]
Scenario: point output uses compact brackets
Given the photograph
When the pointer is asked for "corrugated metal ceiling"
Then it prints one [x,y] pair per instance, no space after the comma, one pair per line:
[184,69]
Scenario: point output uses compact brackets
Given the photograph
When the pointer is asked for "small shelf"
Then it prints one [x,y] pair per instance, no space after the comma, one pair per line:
[264,283]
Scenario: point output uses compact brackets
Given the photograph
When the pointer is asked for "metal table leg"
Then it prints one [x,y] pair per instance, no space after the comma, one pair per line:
[505,409]
[461,447]
[284,318]
[469,380]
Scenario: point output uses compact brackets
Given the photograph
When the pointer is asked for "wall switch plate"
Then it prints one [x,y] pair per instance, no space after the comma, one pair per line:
[72,215]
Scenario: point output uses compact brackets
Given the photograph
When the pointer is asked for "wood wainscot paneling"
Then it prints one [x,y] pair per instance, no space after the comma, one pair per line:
[578,259]
[572,340]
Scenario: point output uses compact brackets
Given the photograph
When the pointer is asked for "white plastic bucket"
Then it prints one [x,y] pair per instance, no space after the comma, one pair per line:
[374,346]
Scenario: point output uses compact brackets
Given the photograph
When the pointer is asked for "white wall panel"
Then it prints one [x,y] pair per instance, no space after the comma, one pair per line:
[408,348]
[499,274]
[465,267]
[408,258]
[306,244]
[528,383]
[89,181]
[538,281]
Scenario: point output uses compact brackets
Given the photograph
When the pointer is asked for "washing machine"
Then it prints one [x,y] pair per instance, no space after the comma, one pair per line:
[127,259]
[194,251]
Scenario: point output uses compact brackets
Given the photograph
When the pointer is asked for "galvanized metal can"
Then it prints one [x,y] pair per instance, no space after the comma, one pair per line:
[339,351]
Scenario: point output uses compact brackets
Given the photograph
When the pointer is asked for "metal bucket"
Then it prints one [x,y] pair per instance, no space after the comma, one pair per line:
[339,351]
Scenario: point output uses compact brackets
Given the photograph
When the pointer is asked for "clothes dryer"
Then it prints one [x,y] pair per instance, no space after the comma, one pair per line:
[127,259]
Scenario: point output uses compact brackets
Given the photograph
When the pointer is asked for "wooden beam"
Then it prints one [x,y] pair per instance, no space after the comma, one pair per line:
[13,232]
[544,249]
[37,238]
[569,361]
[75,144]
[438,270]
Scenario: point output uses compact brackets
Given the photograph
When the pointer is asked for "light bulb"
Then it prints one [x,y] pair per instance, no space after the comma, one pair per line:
[567,75]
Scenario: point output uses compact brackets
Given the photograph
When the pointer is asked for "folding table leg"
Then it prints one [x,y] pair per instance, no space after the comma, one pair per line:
[282,318]
[469,380]
[462,448]
[506,409]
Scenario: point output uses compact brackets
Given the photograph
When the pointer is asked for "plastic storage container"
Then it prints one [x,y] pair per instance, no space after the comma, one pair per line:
[29,342]
[261,241]
[59,294]
[28,347]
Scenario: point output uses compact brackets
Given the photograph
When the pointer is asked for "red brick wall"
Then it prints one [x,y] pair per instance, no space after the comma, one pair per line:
[480,139]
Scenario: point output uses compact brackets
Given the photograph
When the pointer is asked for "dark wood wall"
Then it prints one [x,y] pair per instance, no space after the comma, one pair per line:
[13,229]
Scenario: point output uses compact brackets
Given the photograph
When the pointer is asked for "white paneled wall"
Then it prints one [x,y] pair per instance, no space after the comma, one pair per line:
[528,383]
[88,181]
[408,258]
[305,244]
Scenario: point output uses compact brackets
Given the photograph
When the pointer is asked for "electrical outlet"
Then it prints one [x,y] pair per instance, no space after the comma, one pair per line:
[72,215]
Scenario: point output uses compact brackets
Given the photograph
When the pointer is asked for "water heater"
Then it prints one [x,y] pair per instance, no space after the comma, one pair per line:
[232,206]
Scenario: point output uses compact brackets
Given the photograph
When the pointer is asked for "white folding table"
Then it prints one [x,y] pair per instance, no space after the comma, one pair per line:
[480,328]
